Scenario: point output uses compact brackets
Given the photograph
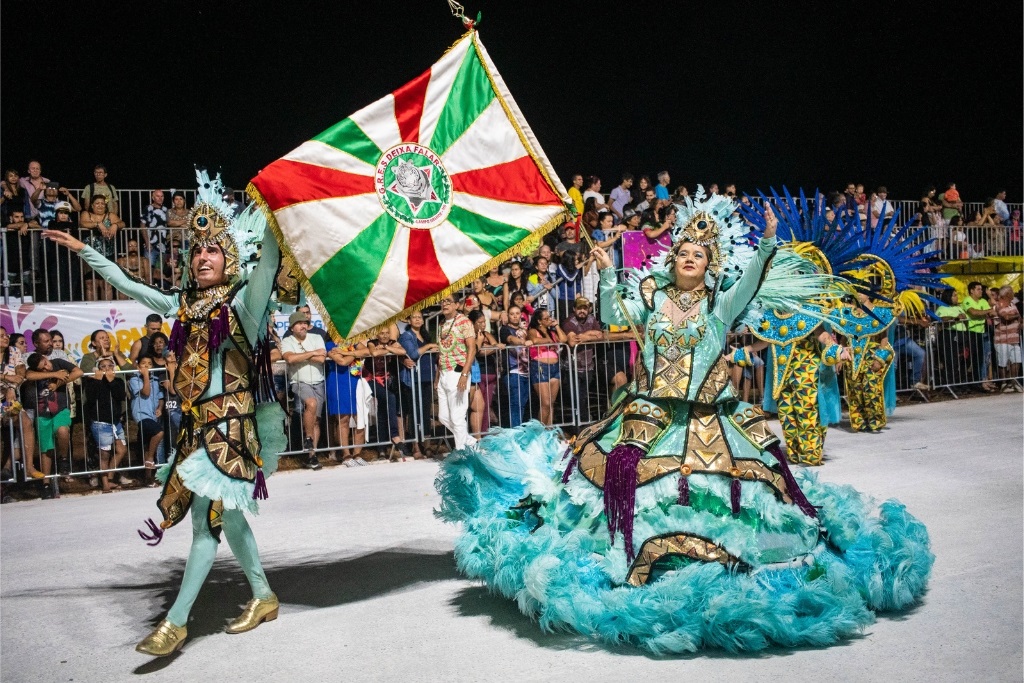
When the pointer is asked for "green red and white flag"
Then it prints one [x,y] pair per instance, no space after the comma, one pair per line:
[411,197]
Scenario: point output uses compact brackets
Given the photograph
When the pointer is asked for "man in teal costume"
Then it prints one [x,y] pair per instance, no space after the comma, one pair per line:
[220,467]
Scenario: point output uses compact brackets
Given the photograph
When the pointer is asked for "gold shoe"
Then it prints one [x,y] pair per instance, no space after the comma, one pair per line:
[164,640]
[255,613]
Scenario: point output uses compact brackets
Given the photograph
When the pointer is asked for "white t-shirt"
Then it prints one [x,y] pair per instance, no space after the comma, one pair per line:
[307,372]
[877,207]
[598,197]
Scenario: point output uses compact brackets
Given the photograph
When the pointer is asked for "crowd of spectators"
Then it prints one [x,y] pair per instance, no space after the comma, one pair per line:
[496,354]
[60,417]
[149,241]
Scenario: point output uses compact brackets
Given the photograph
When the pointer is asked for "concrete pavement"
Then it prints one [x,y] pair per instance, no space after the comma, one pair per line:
[369,590]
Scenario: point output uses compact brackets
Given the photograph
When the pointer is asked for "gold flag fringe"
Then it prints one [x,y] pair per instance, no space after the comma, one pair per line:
[524,246]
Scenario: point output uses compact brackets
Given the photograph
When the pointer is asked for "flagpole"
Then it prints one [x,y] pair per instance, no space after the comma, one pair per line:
[458,11]
[618,299]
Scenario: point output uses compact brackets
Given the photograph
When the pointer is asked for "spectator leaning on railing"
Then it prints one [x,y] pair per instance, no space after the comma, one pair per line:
[381,371]
[104,412]
[19,249]
[147,411]
[12,375]
[305,354]
[45,398]
[101,224]
[34,183]
[1007,339]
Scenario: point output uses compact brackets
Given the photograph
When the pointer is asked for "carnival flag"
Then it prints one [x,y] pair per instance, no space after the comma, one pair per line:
[411,197]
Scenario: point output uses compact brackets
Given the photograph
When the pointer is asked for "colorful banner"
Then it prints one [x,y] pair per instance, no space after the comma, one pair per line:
[412,196]
[125,321]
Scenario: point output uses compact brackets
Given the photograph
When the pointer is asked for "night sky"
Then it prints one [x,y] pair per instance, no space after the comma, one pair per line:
[756,93]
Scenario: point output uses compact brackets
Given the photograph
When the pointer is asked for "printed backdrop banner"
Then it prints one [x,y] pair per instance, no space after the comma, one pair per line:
[125,321]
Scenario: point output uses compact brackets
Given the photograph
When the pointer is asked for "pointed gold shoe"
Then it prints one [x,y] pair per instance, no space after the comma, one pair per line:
[255,613]
[165,639]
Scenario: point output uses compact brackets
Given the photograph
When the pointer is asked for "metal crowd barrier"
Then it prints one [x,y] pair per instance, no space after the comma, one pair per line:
[395,402]
[81,458]
[37,271]
[385,407]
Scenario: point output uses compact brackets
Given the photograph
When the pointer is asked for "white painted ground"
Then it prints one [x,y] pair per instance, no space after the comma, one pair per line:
[369,590]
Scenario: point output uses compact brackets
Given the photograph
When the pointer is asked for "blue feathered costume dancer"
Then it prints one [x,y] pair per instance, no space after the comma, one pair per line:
[674,523]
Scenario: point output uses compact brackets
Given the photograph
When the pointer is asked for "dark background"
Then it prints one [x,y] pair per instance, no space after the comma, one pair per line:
[756,93]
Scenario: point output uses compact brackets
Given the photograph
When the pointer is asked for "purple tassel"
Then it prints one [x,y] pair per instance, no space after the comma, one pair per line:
[734,496]
[220,328]
[177,341]
[684,490]
[568,470]
[260,492]
[794,490]
[620,493]
[157,533]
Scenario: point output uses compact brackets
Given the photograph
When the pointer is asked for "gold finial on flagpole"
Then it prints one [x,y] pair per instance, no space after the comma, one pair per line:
[458,11]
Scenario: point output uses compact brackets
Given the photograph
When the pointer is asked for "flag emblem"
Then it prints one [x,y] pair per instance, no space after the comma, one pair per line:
[413,186]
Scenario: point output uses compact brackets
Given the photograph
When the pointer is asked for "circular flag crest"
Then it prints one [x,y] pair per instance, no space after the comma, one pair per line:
[413,186]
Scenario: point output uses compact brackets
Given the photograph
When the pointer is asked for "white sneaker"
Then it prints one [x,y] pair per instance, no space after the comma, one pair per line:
[921,386]
[350,462]
[361,462]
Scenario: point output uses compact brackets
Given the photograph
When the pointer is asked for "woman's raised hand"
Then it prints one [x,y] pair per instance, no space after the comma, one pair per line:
[602,258]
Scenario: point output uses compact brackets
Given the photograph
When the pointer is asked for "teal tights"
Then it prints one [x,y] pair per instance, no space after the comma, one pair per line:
[204,552]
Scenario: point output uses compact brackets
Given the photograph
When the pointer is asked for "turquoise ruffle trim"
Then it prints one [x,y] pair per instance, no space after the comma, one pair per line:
[868,559]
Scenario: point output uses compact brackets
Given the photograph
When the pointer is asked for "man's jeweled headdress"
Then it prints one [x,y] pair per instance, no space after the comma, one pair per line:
[211,222]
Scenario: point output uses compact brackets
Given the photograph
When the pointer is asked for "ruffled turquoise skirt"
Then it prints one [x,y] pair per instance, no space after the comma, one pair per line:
[553,555]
